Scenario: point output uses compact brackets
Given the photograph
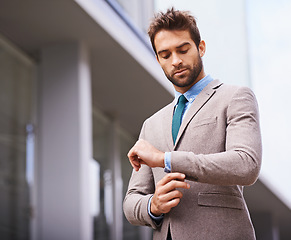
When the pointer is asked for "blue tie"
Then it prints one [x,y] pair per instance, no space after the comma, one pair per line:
[177,118]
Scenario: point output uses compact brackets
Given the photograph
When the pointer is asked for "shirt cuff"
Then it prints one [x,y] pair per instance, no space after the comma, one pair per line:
[167,160]
[158,220]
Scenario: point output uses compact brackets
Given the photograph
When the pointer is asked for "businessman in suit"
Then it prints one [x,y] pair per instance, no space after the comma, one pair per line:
[195,155]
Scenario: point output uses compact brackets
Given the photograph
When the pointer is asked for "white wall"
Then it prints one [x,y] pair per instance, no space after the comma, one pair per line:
[270,45]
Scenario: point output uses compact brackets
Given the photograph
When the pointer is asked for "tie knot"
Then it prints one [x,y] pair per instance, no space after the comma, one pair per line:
[182,100]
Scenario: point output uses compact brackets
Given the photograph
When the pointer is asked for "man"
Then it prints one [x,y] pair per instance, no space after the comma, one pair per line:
[188,179]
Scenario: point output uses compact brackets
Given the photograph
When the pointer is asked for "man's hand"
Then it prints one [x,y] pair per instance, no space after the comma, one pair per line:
[166,195]
[144,153]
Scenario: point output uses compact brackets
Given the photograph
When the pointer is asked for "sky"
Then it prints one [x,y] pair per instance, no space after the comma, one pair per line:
[267,29]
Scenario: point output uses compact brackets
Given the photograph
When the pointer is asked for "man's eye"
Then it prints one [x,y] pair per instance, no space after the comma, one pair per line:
[166,56]
[184,51]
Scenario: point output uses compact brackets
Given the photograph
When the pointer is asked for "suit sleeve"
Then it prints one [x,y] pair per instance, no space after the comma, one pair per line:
[140,188]
[240,163]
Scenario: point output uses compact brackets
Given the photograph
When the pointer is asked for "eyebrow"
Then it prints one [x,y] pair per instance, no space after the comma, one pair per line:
[183,44]
[180,46]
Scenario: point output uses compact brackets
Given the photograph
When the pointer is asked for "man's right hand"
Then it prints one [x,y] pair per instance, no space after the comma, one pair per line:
[166,195]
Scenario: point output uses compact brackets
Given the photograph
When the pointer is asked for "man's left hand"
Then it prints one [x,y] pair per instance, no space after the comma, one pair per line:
[145,153]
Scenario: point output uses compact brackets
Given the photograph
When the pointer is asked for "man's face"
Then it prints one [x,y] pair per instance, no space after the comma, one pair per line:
[180,58]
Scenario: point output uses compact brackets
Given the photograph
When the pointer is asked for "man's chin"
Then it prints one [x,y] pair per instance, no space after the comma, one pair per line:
[182,82]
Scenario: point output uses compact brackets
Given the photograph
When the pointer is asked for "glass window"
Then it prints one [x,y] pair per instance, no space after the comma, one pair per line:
[101,141]
[126,142]
[107,195]
[138,12]
[17,92]
[130,231]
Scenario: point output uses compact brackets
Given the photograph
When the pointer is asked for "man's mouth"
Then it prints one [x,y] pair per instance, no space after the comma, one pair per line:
[180,72]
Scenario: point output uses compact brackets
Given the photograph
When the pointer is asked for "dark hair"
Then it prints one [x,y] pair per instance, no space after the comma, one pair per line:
[174,20]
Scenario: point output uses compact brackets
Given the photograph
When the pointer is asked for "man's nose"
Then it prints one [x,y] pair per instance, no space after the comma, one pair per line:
[176,60]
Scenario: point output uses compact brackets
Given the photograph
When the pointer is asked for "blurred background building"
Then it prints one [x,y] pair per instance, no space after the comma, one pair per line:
[77,79]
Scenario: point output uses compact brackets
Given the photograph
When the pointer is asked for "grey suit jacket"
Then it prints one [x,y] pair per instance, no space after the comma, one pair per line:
[218,147]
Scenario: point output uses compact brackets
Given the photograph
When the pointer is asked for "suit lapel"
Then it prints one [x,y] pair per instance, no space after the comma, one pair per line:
[198,103]
[167,125]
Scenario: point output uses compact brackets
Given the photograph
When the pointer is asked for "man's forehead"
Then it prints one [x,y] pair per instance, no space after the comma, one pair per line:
[177,33]
[165,39]
[183,44]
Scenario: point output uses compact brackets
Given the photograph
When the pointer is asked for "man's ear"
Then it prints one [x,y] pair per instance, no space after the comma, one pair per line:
[202,48]
[157,58]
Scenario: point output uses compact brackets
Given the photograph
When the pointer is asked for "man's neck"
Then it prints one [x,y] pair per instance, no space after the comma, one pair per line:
[185,89]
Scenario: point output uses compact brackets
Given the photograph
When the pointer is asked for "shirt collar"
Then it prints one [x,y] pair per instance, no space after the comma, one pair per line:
[193,92]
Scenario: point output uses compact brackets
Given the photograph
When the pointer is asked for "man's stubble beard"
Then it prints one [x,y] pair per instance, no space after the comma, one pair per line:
[194,73]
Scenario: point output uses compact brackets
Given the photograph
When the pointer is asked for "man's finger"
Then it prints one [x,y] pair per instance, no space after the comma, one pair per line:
[133,159]
[131,153]
[172,176]
[172,195]
[172,185]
